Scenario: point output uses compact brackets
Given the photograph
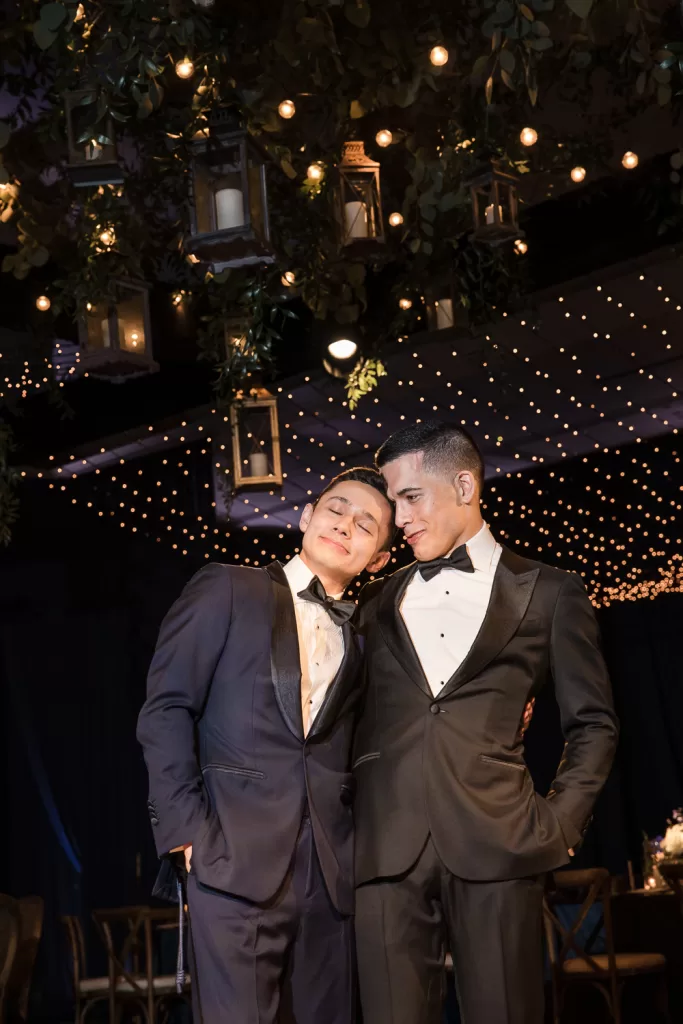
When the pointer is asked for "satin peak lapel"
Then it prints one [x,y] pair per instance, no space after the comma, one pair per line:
[285,660]
[510,596]
[395,631]
[342,684]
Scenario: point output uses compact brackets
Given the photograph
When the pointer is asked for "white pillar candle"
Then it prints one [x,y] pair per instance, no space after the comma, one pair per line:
[106,337]
[356,219]
[490,215]
[229,208]
[93,151]
[444,314]
[258,464]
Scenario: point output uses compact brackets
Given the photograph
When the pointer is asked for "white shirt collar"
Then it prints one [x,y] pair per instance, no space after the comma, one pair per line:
[482,548]
[299,576]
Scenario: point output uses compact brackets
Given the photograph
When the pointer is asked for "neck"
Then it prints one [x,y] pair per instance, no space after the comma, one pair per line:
[469,530]
[332,584]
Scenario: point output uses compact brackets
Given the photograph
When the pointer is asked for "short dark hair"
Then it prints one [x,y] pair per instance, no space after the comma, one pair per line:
[363,475]
[446,448]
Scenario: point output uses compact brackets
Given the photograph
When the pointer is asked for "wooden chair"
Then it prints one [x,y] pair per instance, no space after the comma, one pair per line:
[30,909]
[9,941]
[673,876]
[571,962]
[87,991]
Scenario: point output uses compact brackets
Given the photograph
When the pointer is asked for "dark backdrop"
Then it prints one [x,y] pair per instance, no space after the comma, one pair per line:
[80,606]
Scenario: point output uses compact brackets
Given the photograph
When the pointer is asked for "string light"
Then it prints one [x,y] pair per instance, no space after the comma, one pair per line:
[384,138]
[405,303]
[528,136]
[395,219]
[578,174]
[521,247]
[286,109]
[315,172]
[107,237]
[439,56]
[184,68]
[629,160]
[288,278]
[43,303]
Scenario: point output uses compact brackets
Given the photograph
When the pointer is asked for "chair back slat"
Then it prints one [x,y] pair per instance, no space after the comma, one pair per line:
[30,909]
[595,883]
[9,941]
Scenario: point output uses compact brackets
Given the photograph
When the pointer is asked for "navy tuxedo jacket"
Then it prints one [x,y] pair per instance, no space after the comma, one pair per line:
[230,769]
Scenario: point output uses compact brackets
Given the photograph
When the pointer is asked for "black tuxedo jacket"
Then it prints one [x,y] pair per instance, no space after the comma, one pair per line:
[453,765]
[230,769]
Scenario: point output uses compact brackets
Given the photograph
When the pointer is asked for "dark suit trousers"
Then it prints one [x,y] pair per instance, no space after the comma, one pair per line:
[494,932]
[288,961]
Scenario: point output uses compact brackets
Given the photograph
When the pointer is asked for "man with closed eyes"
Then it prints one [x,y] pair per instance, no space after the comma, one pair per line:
[452,841]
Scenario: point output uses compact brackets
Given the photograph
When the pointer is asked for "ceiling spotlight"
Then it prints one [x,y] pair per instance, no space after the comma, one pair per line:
[439,56]
[184,68]
[521,247]
[528,136]
[630,160]
[286,109]
[43,303]
[396,219]
[288,278]
[405,303]
[343,348]
[384,138]
[578,174]
[314,172]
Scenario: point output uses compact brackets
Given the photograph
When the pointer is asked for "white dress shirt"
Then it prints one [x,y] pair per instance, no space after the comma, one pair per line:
[444,615]
[321,642]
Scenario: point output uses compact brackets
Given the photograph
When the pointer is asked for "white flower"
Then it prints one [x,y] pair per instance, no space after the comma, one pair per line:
[672,843]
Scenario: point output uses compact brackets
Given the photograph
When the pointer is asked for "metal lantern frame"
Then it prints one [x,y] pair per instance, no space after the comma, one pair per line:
[90,172]
[226,144]
[114,362]
[495,189]
[359,183]
[258,398]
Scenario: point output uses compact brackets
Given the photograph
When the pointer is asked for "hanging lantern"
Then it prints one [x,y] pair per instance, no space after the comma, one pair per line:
[116,337]
[229,209]
[255,440]
[359,198]
[236,334]
[92,158]
[494,204]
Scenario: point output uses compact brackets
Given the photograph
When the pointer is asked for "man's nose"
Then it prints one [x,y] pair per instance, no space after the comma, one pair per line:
[343,525]
[403,516]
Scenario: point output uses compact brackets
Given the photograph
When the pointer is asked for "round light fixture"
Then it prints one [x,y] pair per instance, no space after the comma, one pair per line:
[286,109]
[343,348]
[528,136]
[288,278]
[405,303]
[315,172]
[184,68]
[630,160]
[396,219]
[578,174]
[43,303]
[439,56]
[384,138]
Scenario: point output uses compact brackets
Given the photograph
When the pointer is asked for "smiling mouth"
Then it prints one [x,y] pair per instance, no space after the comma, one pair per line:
[414,537]
[335,544]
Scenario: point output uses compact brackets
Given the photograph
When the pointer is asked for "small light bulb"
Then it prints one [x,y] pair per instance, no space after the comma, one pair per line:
[439,56]
[88,306]
[630,160]
[528,136]
[315,172]
[107,237]
[578,173]
[521,247]
[43,303]
[286,109]
[396,219]
[384,138]
[184,68]
[405,303]
[342,349]
[177,298]
[288,278]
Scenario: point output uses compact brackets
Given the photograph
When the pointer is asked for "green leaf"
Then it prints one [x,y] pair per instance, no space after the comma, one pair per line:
[355,274]
[676,160]
[503,13]
[581,8]
[4,134]
[527,12]
[43,36]
[507,61]
[145,107]
[489,89]
[479,69]
[641,82]
[347,314]
[507,79]
[287,168]
[38,257]
[541,43]
[358,13]
[52,16]
[356,110]
[541,29]
[664,95]
[448,202]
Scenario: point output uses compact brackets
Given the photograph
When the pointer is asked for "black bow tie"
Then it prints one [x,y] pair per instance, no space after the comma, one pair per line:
[458,559]
[339,611]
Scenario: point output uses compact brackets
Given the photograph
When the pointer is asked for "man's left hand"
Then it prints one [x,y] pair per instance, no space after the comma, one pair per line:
[526,718]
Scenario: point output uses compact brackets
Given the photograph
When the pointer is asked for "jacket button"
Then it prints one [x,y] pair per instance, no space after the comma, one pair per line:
[435,709]
[154,820]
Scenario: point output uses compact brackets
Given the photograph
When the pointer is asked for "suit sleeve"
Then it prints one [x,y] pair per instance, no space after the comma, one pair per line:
[190,643]
[584,696]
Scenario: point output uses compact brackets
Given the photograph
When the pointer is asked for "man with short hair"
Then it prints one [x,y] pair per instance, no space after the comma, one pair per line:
[452,841]
[246,731]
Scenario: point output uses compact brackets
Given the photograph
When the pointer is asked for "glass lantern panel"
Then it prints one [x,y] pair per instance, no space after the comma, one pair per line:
[256,178]
[131,322]
[89,151]
[504,194]
[255,438]
[98,328]
[359,198]
[486,202]
[225,202]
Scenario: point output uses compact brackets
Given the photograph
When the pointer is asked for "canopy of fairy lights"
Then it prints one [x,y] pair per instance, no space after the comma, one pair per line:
[575,401]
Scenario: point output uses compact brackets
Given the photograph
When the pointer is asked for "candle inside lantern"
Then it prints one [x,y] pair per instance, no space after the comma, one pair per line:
[356,213]
[444,313]
[491,215]
[106,336]
[93,151]
[258,464]
[229,208]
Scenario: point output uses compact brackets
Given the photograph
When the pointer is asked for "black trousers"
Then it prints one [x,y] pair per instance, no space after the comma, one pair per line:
[289,961]
[493,930]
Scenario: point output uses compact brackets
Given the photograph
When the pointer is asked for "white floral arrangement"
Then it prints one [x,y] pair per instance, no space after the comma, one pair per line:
[663,848]
[672,843]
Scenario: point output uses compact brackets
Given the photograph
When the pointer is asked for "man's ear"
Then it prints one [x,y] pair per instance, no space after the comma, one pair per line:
[306,515]
[378,562]
[466,486]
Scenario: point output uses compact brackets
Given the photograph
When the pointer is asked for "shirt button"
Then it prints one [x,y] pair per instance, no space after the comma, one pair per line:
[442,635]
[434,708]
[447,592]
